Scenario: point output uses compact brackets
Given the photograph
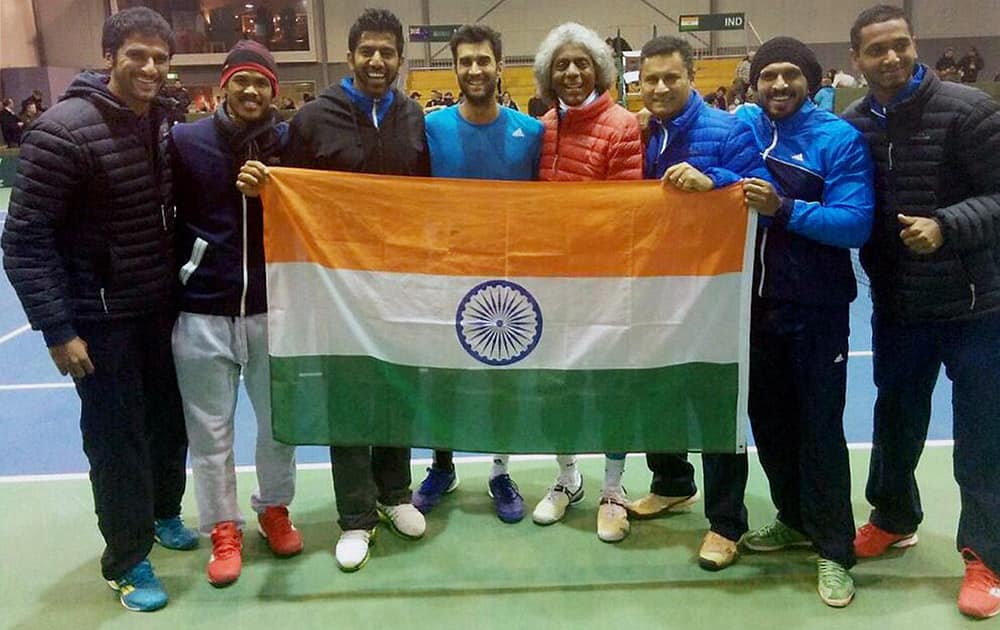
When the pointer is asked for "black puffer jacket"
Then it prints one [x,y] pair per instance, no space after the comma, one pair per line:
[937,154]
[332,134]
[89,234]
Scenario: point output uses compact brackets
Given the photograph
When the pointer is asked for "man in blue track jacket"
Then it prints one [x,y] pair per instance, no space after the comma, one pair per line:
[820,206]
[694,147]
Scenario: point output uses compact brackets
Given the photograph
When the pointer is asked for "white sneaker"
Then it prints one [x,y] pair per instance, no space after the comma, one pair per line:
[405,520]
[612,518]
[552,507]
[352,549]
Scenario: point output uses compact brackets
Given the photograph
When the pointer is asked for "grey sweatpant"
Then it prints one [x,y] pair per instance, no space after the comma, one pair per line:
[210,351]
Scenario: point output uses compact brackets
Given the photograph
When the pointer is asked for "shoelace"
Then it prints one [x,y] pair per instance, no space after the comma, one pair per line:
[225,543]
[437,481]
[279,523]
[977,574]
[141,576]
[507,490]
[830,571]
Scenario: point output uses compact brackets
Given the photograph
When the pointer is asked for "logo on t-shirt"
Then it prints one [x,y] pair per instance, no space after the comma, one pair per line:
[517,133]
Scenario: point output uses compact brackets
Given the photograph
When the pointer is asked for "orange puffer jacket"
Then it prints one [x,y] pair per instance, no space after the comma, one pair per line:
[598,141]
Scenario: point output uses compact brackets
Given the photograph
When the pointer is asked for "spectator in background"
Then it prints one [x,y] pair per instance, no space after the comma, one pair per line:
[824,95]
[307,97]
[448,100]
[181,101]
[29,113]
[36,98]
[719,100]
[10,124]
[947,66]
[743,69]
[435,100]
[843,79]
[537,107]
[415,96]
[970,64]
[507,101]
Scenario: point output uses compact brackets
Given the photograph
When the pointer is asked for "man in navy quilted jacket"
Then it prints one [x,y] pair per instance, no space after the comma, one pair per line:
[934,265]
[694,147]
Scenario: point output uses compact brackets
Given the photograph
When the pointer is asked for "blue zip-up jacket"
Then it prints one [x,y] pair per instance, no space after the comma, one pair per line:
[824,174]
[220,241]
[709,139]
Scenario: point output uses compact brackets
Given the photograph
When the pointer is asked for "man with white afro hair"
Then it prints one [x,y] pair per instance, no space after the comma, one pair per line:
[587,137]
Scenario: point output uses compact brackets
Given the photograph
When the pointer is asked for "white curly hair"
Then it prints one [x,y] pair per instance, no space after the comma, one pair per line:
[573,33]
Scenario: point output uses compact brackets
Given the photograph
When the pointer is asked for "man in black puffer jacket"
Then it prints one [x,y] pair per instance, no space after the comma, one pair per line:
[934,264]
[362,125]
[88,246]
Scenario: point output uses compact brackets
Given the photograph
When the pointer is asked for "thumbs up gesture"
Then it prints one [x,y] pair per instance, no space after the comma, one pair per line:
[922,235]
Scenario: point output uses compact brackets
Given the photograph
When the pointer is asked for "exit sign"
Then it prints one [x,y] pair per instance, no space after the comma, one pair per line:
[712,22]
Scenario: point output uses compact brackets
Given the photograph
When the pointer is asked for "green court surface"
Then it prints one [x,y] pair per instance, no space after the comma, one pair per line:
[472,571]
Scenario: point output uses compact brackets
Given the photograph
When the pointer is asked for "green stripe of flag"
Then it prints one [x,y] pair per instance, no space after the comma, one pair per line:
[348,400]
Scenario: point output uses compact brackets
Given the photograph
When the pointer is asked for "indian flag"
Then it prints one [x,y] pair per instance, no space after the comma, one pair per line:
[523,317]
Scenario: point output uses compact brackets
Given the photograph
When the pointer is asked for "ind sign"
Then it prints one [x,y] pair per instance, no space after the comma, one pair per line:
[712,22]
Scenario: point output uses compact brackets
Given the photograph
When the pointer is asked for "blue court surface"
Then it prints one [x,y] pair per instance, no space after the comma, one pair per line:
[39,409]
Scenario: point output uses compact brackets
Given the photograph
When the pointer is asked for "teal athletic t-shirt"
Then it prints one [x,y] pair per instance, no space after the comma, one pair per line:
[507,148]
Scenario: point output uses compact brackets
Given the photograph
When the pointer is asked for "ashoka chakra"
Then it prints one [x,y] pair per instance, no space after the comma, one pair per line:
[498,322]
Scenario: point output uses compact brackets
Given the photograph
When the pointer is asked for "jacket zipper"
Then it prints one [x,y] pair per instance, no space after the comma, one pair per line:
[763,240]
[103,302]
[246,279]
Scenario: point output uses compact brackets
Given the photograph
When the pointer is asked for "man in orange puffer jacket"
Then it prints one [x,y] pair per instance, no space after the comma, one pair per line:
[587,137]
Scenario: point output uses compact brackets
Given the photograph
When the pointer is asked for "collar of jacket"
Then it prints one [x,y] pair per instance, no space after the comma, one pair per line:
[93,86]
[679,123]
[791,124]
[922,83]
[588,112]
[365,102]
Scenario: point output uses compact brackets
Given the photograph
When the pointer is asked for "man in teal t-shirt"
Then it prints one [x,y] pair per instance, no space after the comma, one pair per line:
[478,139]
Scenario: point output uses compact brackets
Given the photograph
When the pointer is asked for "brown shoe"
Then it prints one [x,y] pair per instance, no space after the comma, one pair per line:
[717,552]
[653,505]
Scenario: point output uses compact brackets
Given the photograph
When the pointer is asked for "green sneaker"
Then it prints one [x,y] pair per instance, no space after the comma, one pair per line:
[775,536]
[835,584]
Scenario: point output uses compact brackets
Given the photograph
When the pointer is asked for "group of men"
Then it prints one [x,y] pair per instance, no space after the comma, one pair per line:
[107,197]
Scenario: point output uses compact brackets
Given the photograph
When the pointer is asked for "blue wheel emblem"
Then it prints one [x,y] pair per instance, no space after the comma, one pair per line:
[498,322]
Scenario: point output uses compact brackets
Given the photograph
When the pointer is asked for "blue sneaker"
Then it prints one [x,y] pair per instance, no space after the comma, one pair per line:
[171,533]
[139,588]
[506,499]
[433,488]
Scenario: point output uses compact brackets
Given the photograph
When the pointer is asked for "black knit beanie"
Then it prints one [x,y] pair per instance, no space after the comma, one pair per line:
[250,55]
[790,50]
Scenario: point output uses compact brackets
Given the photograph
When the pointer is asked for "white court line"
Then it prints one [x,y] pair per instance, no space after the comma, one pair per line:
[24,386]
[476,459]
[15,333]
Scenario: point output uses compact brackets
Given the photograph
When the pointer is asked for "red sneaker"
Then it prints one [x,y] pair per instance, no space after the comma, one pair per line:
[227,554]
[979,596]
[275,526]
[871,541]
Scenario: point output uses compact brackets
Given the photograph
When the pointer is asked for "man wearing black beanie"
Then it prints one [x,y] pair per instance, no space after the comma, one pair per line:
[820,207]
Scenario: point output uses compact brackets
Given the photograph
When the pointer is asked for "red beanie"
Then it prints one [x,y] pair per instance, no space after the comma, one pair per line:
[250,55]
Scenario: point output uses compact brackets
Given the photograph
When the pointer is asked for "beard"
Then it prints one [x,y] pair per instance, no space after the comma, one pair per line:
[480,100]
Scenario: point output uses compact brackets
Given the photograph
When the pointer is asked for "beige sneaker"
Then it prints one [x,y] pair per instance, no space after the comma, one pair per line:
[612,519]
[653,505]
[717,552]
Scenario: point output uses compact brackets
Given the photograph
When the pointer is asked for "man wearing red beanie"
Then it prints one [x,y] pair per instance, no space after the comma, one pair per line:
[221,332]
